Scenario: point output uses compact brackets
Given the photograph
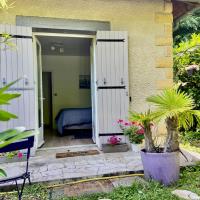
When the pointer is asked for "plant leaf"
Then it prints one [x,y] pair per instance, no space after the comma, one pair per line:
[2,173]
[16,138]
[5,116]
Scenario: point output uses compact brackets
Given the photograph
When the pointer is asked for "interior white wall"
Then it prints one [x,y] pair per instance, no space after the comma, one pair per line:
[65,78]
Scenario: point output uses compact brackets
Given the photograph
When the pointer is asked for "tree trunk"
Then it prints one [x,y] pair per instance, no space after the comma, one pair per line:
[149,144]
[172,143]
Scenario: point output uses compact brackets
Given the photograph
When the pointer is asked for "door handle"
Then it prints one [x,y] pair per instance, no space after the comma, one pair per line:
[26,81]
[4,81]
[104,81]
[122,81]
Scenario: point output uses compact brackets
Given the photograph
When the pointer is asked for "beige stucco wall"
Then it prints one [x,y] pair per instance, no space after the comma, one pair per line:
[149,25]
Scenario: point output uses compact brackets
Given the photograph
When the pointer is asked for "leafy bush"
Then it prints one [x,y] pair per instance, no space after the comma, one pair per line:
[186,26]
[187,75]
[191,137]
[186,67]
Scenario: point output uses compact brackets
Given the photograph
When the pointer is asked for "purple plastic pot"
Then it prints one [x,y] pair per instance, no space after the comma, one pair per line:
[162,167]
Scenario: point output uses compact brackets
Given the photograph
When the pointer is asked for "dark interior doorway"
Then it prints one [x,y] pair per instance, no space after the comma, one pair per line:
[47,104]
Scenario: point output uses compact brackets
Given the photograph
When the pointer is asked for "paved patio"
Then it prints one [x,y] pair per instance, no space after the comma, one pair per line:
[45,167]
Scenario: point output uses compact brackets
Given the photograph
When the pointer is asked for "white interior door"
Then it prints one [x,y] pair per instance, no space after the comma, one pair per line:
[39,93]
[111,82]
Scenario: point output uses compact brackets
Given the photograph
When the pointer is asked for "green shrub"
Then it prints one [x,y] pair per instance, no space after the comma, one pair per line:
[191,137]
[187,68]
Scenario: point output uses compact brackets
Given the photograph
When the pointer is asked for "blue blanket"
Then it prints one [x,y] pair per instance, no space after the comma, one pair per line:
[73,116]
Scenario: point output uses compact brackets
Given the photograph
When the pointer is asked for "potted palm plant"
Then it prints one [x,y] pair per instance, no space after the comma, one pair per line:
[176,108]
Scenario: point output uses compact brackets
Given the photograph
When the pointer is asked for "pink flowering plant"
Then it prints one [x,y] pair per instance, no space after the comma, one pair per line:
[114,140]
[13,154]
[132,129]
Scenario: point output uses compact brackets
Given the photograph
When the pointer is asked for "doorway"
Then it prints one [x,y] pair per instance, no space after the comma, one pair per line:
[47,95]
[66,90]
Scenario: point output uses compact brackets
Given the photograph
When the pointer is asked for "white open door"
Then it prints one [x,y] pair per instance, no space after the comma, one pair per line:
[15,63]
[39,92]
[95,137]
[111,83]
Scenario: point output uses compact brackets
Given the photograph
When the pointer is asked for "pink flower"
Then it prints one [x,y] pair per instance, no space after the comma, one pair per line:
[20,155]
[113,140]
[120,121]
[140,131]
[126,124]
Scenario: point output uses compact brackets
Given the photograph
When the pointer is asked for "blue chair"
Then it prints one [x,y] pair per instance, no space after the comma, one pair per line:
[23,144]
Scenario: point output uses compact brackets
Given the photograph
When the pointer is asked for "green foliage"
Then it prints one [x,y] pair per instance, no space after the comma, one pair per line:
[2,173]
[138,191]
[174,103]
[11,155]
[145,119]
[131,132]
[191,137]
[186,26]
[6,39]
[12,135]
[33,192]
[5,99]
[189,147]
[185,55]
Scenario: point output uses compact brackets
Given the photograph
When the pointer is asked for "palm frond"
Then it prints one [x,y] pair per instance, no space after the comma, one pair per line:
[143,118]
[174,103]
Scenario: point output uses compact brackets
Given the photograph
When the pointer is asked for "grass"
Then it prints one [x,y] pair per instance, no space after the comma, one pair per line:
[189,180]
[189,147]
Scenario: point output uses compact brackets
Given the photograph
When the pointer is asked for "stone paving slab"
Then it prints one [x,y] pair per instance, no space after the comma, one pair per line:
[48,168]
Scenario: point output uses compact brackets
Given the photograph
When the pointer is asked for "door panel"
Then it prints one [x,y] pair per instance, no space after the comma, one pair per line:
[16,62]
[112,80]
[38,65]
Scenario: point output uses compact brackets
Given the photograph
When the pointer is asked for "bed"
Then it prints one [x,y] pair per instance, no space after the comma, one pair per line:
[74,118]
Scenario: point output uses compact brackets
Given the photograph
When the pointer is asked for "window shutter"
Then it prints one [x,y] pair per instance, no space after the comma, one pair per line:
[111,81]
[16,62]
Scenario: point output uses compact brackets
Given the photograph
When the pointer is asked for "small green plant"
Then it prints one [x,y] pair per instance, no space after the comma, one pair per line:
[145,120]
[133,130]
